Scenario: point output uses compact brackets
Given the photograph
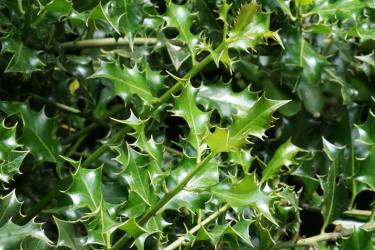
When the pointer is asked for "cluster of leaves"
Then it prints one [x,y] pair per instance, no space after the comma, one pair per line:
[186,124]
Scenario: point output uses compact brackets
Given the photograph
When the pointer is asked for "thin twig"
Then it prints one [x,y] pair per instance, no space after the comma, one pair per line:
[323,237]
[106,42]
[195,229]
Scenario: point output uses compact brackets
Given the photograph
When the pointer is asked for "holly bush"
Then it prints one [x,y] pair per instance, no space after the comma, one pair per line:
[202,124]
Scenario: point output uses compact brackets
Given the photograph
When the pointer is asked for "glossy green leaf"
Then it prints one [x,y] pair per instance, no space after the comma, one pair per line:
[67,235]
[366,166]
[148,145]
[38,134]
[180,17]
[221,97]
[254,122]
[54,11]
[343,7]
[198,121]
[251,27]
[11,234]
[335,198]
[129,81]
[136,174]
[300,54]
[284,156]
[10,207]
[86,192]
[208,176]
[10,159]
[359,240]
[245,192]
[24,60]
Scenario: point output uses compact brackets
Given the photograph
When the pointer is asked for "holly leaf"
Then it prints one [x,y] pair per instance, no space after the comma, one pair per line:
[136,174]
[10,159]
[300,54]
[254,122]
[54,10]
[360,239]
[335,198]
[151,147]
[366,137]
[130,81]
[221,97]
[103,13]
[24,60]
[245,192]
[179,17]
[343,8]
[68,236]
[284,156]
[11,234]
[198,121]
[131,22]
[206,177]
[39,131]
[251,27]
[86,192]
[9,207]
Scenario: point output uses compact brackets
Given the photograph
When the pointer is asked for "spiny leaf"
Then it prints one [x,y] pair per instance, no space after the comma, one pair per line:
[11,234]
[366,166]
[359,240]
[245,193]
[129,81]
[208,176]
[179,17]
[284,156]
[329,9]
[102,12]
[24,60]
[227,102]
[86,192]
[254,122]
[136,174]
[151,147]
[10,159]
[68,236]
[198,121]
[299,53]
[38,132]
[55,10]
[335,198]
[9,207]
[250,28]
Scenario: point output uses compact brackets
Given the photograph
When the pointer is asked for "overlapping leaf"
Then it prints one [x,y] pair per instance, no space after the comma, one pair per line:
[180,17]
[10,159]
[86,192]
[220,96]
[11,234]
[38,134]
[198,121]
[129,81]
[254,122]
[24,59]
[335,197]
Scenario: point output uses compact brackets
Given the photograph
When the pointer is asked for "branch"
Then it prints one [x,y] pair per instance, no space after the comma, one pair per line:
[165,97]
[195,229]
[323,237]
[106,42]
[162,202]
